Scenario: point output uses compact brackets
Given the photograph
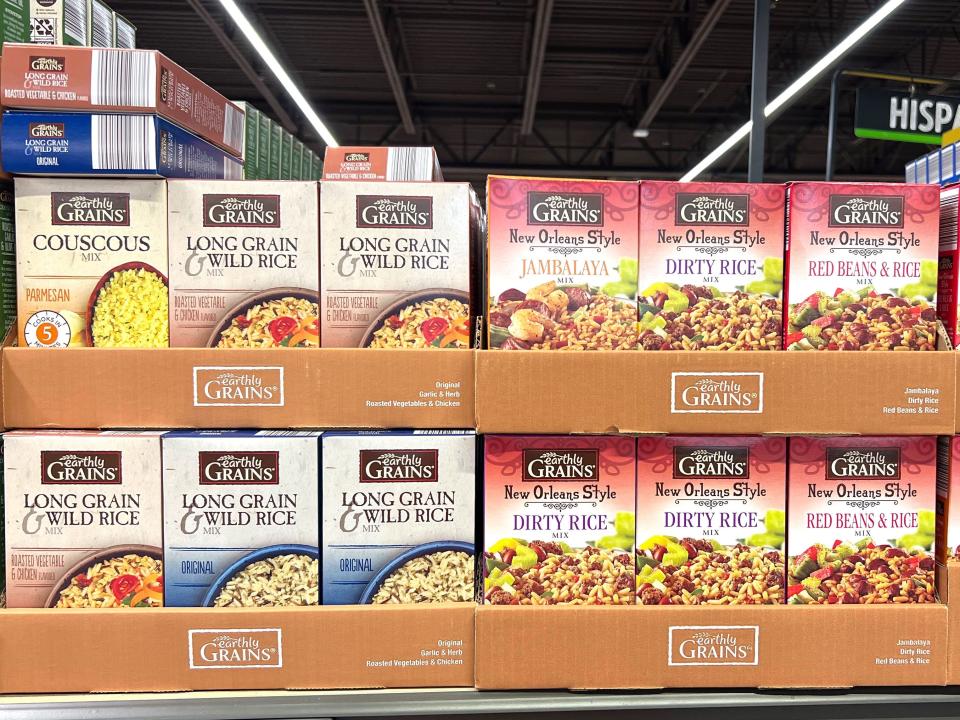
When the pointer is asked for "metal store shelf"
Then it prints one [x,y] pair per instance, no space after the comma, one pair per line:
[914,703]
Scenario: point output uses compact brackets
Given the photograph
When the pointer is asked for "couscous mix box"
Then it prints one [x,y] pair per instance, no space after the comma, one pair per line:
[399,516]
[397,264]
[861,266]
[244,264]
[559,523]
[241,518]
[711,520]
[91,262]
[861,520]
[711,266]
[561,264]
[83,519]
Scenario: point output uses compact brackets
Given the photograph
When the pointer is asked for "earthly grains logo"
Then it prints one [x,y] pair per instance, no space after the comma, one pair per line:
[105,209]
[46,130]
[556,208]
[703,463]
[573,465]
[379,466]
[357,157]
[239,386]
[236,649]
[241,211]
[78,467]
[394,211]
[712,209]
[706,393]
[48,63]
[853,210]
[720,645]
[863,463]
[239,468]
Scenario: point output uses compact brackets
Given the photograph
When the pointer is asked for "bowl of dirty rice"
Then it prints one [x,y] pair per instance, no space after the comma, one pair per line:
[433,572]
[274,576]
[129,307]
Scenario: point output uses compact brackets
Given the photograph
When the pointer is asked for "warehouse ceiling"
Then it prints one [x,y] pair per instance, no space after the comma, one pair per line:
[465,76]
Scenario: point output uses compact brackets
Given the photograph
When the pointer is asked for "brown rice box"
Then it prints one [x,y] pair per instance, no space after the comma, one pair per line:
[948,502]
[561,264]
[91,262]
[559,520]
[711,266]
[244,264]
[862,520]
[397,264]
[711,520]
[861,266]
[83,519]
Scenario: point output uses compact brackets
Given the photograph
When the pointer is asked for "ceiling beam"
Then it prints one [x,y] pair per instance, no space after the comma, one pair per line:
[683,62]
[390,65]
[541,30]
[245,67]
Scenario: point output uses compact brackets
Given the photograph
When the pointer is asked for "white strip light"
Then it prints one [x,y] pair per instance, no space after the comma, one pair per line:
[281,74]
[798,85]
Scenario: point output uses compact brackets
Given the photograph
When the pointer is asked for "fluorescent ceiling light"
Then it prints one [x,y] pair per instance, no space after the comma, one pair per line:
[799,85]
[641,133]
[253,37]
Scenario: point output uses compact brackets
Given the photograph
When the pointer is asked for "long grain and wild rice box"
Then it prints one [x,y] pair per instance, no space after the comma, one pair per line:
[84,79]
[91,263]
[559,520]
[861,267]
[711,520]
[82,519]
[399,514]
[244,264]
[861,520]
[241,518]
[561,264]
[381,163]
[948,498]
[398,264]
[711,266]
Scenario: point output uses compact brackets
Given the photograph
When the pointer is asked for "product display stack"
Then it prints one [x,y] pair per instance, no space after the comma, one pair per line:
[355,426]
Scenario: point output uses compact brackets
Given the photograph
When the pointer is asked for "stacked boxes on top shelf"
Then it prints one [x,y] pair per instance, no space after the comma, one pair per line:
[259,162]
[86,134]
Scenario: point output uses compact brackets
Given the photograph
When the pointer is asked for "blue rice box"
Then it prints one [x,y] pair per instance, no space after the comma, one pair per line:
[398,516]
[241,518]
[43,143]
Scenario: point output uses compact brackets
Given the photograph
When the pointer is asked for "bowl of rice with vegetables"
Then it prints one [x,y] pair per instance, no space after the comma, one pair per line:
[129,308]
[436,318]
[123,576]
[281,317]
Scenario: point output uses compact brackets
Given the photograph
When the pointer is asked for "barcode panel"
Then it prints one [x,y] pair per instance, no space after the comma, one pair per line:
[75,19]
[233,127]
[405,163]
[102,26]
[123,78]
[123,142]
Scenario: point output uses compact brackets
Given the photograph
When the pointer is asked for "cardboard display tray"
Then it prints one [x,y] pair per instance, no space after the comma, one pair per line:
[948,582]
[200,388]
[582,648]
[56,651]
[895,393]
